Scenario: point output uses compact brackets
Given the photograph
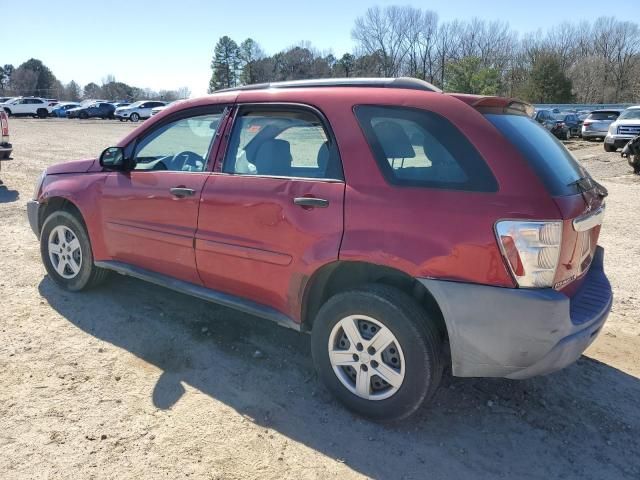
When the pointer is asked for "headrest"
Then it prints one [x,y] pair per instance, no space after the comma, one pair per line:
[274,158]
[394,140]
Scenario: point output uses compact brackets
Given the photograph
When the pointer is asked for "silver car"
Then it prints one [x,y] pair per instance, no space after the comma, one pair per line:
[596,125]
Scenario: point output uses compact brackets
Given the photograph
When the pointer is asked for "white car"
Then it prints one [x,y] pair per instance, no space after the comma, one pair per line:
[33,106]
[625,128]
[137,110]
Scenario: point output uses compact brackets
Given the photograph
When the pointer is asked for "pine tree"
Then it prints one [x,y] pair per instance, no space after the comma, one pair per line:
[225,64]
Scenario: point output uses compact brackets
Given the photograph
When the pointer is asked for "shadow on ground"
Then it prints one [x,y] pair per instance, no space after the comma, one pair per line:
[7,195]
[583,421]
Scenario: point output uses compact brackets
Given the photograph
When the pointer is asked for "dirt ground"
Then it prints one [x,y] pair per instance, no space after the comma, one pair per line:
[135,381]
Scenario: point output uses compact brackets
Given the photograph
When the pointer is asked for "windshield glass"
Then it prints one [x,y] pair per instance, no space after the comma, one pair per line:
[630,114]
[553,163]
[136,104]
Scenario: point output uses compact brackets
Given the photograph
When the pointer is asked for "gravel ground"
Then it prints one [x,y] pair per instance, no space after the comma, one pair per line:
[134,381]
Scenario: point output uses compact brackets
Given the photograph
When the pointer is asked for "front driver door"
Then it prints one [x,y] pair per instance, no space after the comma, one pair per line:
[150,214]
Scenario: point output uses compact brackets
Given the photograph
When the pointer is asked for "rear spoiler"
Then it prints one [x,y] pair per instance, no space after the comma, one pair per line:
[497,105]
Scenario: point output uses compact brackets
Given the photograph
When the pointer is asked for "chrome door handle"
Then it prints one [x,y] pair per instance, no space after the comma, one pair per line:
[182,192]
[311,202]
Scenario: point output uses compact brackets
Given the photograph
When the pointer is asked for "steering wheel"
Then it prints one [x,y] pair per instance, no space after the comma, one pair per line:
[189,159]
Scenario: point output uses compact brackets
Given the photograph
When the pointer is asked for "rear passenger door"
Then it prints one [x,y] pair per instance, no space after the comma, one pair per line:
[272,213]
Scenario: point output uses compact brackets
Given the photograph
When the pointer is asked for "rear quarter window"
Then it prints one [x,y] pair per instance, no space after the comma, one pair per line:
[553,163]
[415,147]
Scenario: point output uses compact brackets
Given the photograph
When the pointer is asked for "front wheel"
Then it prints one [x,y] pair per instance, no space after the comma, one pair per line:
[377,351]
[609,148]
[134,117]
[66,253]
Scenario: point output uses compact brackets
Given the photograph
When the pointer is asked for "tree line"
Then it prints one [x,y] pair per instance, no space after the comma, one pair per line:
[34,78]
[586,62]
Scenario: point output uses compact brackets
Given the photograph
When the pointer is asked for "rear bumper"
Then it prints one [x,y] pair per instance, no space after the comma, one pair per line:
[521,333]
[593,133]
[33,214]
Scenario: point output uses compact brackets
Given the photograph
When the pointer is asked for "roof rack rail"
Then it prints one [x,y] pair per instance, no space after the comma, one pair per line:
[400,82]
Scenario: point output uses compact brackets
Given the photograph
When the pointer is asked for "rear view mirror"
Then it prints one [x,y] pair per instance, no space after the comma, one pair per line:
[112,158]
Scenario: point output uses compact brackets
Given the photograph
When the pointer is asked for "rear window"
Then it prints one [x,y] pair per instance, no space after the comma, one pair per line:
[603,115]
[552,162]
[420,148]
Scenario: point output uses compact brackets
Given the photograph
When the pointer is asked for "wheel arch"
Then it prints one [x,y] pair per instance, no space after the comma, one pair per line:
[54,204]
[342,275]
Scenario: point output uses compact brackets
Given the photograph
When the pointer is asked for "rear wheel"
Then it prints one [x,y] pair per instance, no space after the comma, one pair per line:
[66,253]
[609,148]
[377,351]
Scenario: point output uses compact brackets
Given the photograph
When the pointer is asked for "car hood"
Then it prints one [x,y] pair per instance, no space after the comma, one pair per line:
[627,122]
[75,166]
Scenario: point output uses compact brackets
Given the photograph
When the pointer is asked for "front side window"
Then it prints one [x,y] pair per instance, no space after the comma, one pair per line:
[182,145]
[416,147]
[283,143]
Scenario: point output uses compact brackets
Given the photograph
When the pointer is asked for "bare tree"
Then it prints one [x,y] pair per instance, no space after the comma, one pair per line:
[381,32]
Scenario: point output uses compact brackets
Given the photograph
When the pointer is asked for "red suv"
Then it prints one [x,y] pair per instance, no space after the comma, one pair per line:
[406,229]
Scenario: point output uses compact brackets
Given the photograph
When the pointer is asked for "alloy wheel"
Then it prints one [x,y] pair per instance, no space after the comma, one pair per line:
[65,252]
[366,357]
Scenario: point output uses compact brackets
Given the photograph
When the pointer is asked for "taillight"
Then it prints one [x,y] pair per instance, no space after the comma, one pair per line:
[531,249]
[4,124]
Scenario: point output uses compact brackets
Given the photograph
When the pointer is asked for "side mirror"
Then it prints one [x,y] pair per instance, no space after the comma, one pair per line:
[112,158]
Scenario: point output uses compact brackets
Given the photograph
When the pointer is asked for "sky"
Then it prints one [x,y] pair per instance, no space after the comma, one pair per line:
[164,44]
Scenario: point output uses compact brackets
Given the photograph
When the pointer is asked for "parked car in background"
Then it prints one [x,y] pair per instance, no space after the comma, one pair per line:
[61,109]
[137,110]
[542,116]
[303,211]
[120,104]
[558,127]
[27,106]
[597,123]
[623,129]
[5,147]
[95,110]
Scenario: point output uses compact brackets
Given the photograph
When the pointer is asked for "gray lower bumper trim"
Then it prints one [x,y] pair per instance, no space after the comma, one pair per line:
[33,214]
[520,333]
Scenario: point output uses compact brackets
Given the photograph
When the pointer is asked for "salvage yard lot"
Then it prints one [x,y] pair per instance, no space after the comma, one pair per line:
[135,381]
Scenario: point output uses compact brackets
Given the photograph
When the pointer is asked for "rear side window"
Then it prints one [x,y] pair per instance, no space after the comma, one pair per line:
[553,163]
[282,142]
[419,148]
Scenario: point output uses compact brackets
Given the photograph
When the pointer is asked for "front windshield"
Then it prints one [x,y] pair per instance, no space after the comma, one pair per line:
[136,104]
[630,114]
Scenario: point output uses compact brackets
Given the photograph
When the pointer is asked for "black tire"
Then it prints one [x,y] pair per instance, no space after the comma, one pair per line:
[8,112]
[123,119]
[83,115]
[609,148]
[42,113]
[567,135]
[416,333]
[134,117]
[89,276]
